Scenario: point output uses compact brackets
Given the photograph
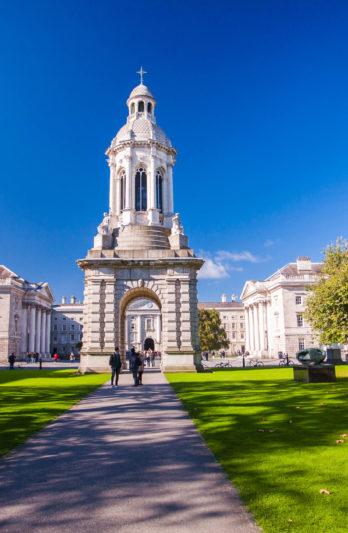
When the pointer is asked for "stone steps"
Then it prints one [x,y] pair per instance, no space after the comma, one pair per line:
[136,237]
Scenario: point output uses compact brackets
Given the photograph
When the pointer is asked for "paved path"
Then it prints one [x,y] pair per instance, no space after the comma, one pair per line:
[125,460]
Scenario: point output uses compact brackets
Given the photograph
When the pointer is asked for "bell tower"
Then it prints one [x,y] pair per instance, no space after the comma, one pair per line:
[140,249]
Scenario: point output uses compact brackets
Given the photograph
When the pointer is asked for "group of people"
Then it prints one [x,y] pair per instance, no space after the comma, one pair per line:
[136,366]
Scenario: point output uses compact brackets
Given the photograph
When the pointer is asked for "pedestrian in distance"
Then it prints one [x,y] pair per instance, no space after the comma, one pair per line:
[135,362]
[115,364]
[12,360]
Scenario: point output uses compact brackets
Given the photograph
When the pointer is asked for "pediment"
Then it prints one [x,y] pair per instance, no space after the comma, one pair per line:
[6,273]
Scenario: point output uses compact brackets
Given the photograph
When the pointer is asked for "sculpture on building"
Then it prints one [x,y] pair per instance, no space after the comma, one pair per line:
[104,226]
[177,227]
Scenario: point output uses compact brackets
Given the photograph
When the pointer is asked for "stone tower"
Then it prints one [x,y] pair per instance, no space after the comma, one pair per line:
[140,249]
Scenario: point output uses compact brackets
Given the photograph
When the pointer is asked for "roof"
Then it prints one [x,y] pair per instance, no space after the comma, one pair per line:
[220,305]
[291,270]
[141,129]
[140,90]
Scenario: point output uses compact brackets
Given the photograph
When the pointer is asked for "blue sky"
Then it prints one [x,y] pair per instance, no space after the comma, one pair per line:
[253,95]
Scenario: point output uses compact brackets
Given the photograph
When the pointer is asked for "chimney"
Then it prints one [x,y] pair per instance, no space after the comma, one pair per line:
[234,297]
[73,300]
[63,300]
[304,264]
[223,298]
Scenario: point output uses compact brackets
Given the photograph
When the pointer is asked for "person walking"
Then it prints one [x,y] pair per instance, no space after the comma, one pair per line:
[115,364]
[134,365]
[141,368]
[12,360]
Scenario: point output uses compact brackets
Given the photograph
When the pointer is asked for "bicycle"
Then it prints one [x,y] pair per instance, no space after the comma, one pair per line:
[223,364]
[285,362]
[255,363]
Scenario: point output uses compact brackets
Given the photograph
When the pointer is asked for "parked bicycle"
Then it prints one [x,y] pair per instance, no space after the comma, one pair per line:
[255,363]
[223,364]
[286,362]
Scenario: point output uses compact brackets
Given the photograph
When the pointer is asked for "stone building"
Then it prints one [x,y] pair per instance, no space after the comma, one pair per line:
[140,250]
[143,325]
[233,320]
[25,315]
[274,310]
[67,327]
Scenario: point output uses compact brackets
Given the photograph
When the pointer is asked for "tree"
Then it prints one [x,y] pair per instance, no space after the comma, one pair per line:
[327,304]
[211,333]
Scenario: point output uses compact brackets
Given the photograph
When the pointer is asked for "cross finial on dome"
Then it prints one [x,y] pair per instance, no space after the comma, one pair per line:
[141,73]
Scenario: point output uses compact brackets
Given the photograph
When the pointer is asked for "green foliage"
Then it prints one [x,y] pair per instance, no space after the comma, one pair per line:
[276,440]
[327,304]
[211,333]
[31,398]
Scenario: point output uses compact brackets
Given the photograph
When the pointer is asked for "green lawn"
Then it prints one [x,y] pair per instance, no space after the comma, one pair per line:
[29,399]
[276,439]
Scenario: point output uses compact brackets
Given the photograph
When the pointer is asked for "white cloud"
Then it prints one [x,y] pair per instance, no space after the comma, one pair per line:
[224,255]
[213,270]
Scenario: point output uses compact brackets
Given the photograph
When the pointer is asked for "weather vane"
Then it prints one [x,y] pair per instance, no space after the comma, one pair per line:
[141,73]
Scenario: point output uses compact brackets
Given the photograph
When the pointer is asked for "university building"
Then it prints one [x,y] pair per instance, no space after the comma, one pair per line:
[25,315]
[67,327]
[274,310]
[233,321]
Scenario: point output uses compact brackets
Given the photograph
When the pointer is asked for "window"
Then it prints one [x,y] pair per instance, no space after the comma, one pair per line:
[149,108]
[225,326]
[64,317]
[242,335]
[123,189]
[300,320]
[55,338]
[301,344]
[241,325]
[141,107]
[72,337]
[233,334]
[55,327]
[72,326]
[233,325]
[298,300]
[132,108]
[149,324]
[159,191]
[140,190]
[64,328]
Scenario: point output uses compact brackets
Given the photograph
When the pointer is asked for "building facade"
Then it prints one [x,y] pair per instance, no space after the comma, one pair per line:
[143,325]
[233,321]
[274,310]
[25,316]
[140,250]
[67,327]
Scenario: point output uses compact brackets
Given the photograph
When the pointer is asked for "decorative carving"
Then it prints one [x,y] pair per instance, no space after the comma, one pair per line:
[177,227]
[104,226]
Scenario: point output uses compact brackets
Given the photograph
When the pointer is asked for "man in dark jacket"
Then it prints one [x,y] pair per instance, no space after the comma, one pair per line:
[115,363]
[134,366]
[11,360]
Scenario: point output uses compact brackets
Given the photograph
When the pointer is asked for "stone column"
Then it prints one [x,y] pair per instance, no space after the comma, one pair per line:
[48,333]
[139,331]
[43,333]
[158,328]
[110,315]
[151,184]
[185,315]
[261,326]
[24,330]
[170,188]
[38,330]
[118,195]
[113,197]
[247,333]
[129,179]
[252,329]
[32,328]
[256,328]
[165,194]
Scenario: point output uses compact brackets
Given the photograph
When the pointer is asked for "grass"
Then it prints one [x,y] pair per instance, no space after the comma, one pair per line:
[30,399]
[276,440]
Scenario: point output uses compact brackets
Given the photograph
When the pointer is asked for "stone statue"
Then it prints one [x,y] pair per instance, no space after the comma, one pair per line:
[310,357]
[104,226]
[177,228]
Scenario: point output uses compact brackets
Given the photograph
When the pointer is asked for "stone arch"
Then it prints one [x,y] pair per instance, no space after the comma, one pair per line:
[132,294]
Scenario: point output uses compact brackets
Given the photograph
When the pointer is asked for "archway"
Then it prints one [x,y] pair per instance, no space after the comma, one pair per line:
[140,320]
[149,344]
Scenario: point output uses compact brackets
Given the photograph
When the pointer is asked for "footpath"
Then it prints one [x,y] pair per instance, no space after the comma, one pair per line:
[125,459]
